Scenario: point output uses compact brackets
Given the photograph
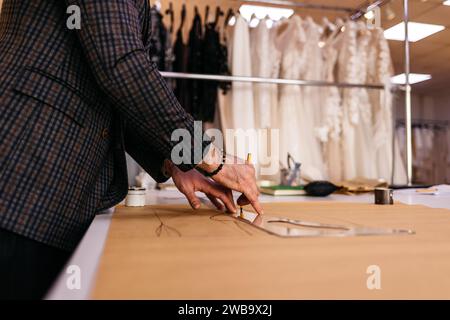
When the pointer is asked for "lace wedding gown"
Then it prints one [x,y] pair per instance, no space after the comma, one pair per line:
[296,128]
[329,129]
[346,73]
[357,129]
[364,133]
[313,71]
[312,111]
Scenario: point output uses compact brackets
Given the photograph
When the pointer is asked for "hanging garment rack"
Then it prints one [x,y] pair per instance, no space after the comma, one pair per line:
[354,14]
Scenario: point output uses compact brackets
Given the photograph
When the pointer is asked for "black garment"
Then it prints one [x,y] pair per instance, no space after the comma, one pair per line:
[211,65]
[224,68]
[180,64]
[195,65]
[206,56]
[157,39]
[27,268]
[160,44]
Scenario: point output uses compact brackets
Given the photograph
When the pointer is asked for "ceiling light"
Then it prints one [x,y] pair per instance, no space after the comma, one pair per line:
[416,31]
[413,78]
[446,3]
[276,14]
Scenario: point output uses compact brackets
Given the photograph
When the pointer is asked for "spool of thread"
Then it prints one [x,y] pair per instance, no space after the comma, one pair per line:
[384,196]
[135,197]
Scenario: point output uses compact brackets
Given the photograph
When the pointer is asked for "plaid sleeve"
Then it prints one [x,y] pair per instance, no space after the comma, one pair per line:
[143,154]
[111,37]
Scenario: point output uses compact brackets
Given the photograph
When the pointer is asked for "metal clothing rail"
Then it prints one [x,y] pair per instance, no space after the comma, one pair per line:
[193,76]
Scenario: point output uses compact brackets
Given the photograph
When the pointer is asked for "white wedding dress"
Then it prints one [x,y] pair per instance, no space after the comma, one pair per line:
[242,107]
[357,130]
[330,128]
[364,133]
[312,95]
[224,99]
[237,106]
[297,135]
[347,66]
[265,64]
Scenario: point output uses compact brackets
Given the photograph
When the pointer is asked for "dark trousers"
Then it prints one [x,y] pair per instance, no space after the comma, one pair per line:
[27,268]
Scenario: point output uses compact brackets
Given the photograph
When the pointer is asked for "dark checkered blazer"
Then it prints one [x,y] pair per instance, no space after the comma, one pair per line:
[71,103]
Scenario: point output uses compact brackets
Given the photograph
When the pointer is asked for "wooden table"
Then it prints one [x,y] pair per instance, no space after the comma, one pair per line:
[169,252]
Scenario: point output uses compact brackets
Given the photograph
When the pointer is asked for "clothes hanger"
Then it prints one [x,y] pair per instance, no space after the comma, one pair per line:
[170,13]
[196,13]
[219,13]
[327,23]
[340,24]
[206,14]
[226,23]
[230,14]
[328,28]
[252,18]
[183,17]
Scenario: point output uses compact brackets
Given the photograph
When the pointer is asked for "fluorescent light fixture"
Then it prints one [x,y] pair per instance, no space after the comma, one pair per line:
[275,14]
[417,31]
[446,3]
[413,78]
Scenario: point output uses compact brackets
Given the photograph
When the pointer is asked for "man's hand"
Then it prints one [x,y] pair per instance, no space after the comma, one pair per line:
[190,182]
[240,176]
[236,175]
